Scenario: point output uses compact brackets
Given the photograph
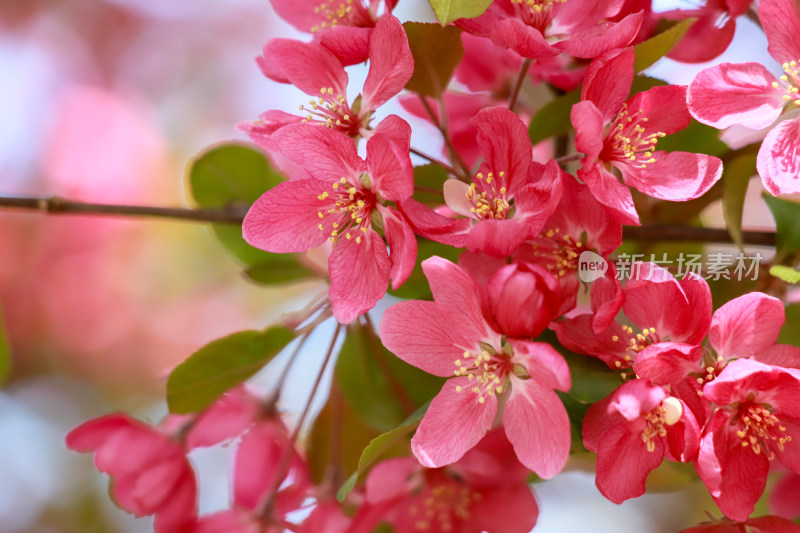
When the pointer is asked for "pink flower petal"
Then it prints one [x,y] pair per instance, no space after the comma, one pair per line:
[308,66]
[675,176]
[602,37]
[420,334]
[665,108]
[517,505]
[746,325]
[389,479]
[623,463]
[433,226]
[349,44]
[523,298]
[654,299]
[327,517]
[781,22]
[359,275]
[389,167]
[608,81]
[93,434]
[180,509]
[498,238]
[778,161]
[667,363]
[454,423]
[326,154]
[524,40]
[543,362]
[391,63]
[301,15]
[607,189]
[783,355]
[505,144]
[402,245]
[286,218]
[728,94]
[698,296]
[538,426]
[784,498]
[588,124]
[458,296]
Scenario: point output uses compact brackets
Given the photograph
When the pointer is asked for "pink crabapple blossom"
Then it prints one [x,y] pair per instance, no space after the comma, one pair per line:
[342,201]
[659,306]
[747,94]
[761,524]
[342,26]
[464,497]
[620,132]
[632,430]
[757,419]
[316,71]
[451,337]
[538,29]
[509,199]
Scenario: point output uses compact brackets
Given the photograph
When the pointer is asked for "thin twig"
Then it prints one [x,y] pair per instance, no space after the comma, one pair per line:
[668,232]
[517,86]
[435,161]
[568,158]
[58,205]
[441,124]
[265,510]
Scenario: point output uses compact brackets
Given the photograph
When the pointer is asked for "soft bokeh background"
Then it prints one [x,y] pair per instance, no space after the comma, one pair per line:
[106,100]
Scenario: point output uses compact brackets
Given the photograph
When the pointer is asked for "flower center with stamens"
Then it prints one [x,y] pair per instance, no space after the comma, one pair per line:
[487,369]
[627,140]
[488,197]
[559,250]
[790,82]
[351,210]
[334,111]
[337,12]
[536,13]
[444,504]
[760,429]
[657,420]
[635,343]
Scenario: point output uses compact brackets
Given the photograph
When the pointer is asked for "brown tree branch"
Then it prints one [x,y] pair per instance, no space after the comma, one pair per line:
[57,205]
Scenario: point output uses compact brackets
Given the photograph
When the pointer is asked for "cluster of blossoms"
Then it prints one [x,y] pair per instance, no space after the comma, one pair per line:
[698,386]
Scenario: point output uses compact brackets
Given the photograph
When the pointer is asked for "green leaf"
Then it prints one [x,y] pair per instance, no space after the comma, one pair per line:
[787,223]
[656,47]
[279,268]
[449,10]
[737,175]
[428,183]
[337,421]
[437,51]
[5,354]
[221,365]
[553,118]
[372,379]
[232,175]
[786,273]
[696,138]
[378,446]
[592,380]
[790,334]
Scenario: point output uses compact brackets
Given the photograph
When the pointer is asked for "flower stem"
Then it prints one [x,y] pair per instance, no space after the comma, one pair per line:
[264,512]
[517,86]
